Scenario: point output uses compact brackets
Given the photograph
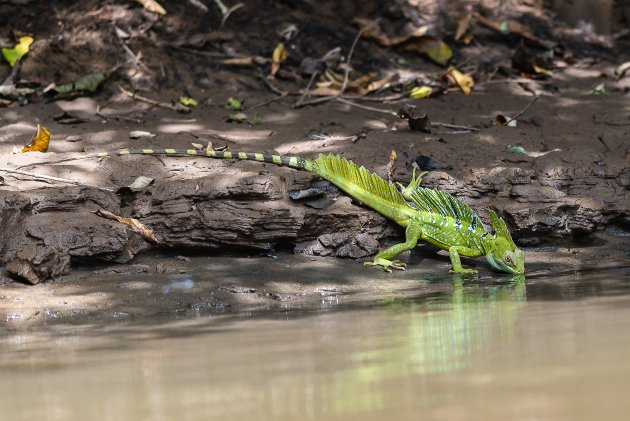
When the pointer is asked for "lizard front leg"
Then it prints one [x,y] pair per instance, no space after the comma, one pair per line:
[454,251]
[383,258]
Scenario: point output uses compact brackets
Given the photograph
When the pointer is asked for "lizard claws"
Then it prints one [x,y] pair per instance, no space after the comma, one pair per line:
[387,264]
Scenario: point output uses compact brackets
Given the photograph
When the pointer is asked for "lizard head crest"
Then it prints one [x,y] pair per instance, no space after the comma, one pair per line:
[502,253]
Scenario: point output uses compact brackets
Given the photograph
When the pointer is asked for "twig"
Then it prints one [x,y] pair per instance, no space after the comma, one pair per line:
[177,107]
[396,97]
[378,110]
[135,57]
[199,5]
[517,80]
[346,75]
[307,89]
[536,97]
[225,12]
[273,88]
[48,177]
[454,126]
[351,52]
[267,102]
[364,107]
[315,101]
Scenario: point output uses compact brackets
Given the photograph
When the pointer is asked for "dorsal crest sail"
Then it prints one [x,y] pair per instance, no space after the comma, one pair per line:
[349,177]
[443,203]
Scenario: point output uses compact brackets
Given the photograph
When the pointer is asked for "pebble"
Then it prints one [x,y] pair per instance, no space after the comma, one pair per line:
[73,138]
[138,134]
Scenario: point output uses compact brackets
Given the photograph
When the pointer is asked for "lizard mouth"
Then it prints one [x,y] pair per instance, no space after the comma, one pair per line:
[517,269]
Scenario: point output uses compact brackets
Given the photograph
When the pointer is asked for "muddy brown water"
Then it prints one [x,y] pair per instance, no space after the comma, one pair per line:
[246,340]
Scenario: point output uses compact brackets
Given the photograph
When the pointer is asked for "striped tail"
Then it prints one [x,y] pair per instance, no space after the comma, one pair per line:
[282,160]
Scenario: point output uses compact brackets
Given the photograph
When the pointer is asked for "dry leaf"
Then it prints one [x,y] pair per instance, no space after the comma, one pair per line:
[200,147]
[135,225]
[152,6]
[506,27]
[373,31]
[390,166]
[418,121]
[464,30]
[139,184]
[378,84]
[13,92]
[245,61]
[464,81]
[418,41]
[279,55]
[39,141]
[622,70]
[527,63]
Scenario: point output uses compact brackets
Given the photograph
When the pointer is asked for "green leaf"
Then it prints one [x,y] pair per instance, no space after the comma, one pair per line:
[517,149]
[255,120]
[12,55]
[237,117]
[599,89]
[234,104]
[83,85]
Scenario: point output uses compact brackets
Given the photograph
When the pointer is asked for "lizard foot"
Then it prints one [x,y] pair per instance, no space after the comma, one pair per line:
[463,271]
[387,264]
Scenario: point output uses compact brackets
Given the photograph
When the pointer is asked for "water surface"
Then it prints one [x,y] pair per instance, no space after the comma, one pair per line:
[550,347]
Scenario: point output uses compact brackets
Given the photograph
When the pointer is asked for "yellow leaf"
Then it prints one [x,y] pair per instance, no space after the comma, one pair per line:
[12,55]
[39,142]
[542,71]
[439,52]
[421,92]
[434,48]
[465,82]
[152,6]
[187,101]
[279,55]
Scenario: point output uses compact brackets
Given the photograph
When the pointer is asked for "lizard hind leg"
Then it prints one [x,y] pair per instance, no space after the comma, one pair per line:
[384,258]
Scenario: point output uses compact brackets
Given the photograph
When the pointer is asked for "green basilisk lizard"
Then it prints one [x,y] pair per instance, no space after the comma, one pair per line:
[431,215]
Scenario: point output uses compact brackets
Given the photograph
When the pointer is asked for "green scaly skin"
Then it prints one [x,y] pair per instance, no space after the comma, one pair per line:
[426,214]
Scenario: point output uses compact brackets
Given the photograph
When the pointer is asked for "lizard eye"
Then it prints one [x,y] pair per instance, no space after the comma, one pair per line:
[507,257]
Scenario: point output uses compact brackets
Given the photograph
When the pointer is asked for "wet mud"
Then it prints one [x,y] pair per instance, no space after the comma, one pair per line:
[573,185]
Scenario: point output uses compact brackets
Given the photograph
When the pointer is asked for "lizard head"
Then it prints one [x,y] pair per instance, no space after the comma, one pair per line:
[502,253]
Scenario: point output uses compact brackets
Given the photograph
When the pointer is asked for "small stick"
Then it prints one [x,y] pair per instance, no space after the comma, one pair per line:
[301,103]
[364,107]
[536,97]
[315,101]
[454,126]
[308,88]
[48,177]
[273,88]
[177,107]
[354,44]
[267,102]
[396,97]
